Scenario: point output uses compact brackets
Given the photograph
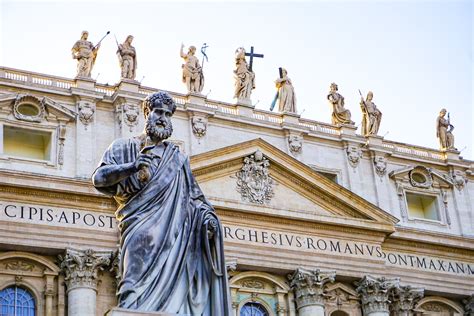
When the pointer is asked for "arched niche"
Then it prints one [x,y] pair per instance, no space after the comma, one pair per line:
[269,290]
[36,274]
[438,306]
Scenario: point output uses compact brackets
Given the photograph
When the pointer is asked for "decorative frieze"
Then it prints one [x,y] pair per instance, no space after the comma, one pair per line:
[253,180]
[81,267]
[309,286]
[459,179]
[374,293]
[404,299]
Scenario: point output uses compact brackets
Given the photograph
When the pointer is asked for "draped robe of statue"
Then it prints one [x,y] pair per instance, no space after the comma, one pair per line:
[286,95]
[85,53]
[244,80]
[168,262]
[340,115]
[371,118]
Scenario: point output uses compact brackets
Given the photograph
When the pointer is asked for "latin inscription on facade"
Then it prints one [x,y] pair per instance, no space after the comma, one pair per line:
[54,216]
[339,247]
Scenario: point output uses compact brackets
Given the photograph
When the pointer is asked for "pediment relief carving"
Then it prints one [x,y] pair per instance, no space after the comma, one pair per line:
[299,187]
[421,177]
[339,294]
[31,108]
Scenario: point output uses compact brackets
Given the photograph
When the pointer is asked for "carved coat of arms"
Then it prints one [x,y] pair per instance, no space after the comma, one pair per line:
[253,180]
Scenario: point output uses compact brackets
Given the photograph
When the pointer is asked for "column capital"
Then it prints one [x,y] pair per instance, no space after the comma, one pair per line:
[308,286]
[375,293]
[81,267]
[404,299]
[469,305]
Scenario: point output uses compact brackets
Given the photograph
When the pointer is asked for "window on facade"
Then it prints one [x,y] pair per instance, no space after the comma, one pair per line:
[16,301]
[422,206]
[26,143]
[253,309]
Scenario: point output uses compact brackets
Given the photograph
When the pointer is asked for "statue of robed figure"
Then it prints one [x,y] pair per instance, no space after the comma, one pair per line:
[172,255]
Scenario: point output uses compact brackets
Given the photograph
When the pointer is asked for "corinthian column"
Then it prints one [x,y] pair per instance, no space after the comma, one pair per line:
[81,269]
[404,299]
[308,287]
[375,293]
[469,305]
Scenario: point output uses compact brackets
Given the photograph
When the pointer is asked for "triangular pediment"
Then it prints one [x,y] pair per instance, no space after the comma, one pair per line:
[48,109]
[431,176]
[296,190]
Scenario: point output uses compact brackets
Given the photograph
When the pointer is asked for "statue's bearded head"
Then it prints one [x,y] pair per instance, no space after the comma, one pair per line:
[158,109]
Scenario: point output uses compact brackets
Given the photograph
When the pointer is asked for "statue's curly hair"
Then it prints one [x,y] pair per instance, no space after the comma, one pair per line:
[161,97]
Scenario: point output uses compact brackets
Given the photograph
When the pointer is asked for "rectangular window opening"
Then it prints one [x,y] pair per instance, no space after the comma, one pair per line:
[26,143]
[422,206]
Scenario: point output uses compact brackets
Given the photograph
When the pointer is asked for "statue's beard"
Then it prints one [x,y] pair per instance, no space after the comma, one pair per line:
[157,131]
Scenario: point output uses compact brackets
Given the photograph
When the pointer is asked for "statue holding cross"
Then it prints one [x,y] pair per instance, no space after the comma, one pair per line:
[244,75]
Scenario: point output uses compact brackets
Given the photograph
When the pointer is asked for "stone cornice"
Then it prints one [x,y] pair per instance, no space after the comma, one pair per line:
[419,238]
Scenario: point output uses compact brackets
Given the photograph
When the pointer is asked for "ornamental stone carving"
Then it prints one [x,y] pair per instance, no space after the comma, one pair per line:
[459,179]
[86,111]
[380,164]
[354,154]
[295,143]
[420,177]
[199,125]
[19,265]
[129,115]
[309,286]
[253,284]
[253,180]
[375,293]
[81,267]
[469,305]
[404,299]
[29,108]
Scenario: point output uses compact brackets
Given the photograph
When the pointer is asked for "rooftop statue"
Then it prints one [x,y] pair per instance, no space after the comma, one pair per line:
[244,76]
[286,93]
[340,115]
[371,116]
[193,76]
[85,53]
[444,130]
[127,58]
[172,255]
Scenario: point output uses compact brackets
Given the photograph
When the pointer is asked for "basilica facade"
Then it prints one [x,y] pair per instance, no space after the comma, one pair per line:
[317,219]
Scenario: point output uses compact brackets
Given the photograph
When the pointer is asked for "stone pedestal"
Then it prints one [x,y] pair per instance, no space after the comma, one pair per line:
[308,286]
[129,85]
[81,269]
[85,83]
[374,293]
[245,107]
[347,130]
[290,118]
[196,98]
[127,312]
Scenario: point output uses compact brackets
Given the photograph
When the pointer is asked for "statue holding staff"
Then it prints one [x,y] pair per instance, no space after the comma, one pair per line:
[444,130]
[285,93]
[371,116]
[85,53]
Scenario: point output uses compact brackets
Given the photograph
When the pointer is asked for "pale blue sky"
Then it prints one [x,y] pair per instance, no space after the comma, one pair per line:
[416,56]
